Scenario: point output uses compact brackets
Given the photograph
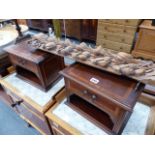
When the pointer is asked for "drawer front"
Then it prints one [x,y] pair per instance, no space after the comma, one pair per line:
[57,129]
[114,45]
[14,97]
[115,37]
[128,22]
[32,115]
[23,63]
[14,100]
[37,121]
[94,98]
[113,28]
[17,100]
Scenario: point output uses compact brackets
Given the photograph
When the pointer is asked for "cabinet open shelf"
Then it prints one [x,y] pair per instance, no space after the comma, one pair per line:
[28,76]
[95,115]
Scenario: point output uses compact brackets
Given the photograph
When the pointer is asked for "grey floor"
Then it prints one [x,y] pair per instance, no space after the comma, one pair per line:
[11,123]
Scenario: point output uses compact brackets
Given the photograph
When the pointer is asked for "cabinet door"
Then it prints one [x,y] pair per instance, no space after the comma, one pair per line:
[89,29]
[145,45]
[73,28]
[146,41]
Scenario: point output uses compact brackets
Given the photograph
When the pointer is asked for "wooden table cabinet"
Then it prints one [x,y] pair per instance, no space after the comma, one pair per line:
[112,94]
[79,117]
[35,66]
[145,44]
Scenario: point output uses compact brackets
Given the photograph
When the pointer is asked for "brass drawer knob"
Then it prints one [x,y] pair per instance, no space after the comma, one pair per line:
[94,97]
[124,31]
[105,36]
[85,92]
[105,28]
[21,61]
[123,40]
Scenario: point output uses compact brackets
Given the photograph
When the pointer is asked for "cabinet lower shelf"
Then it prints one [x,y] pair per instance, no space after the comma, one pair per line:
[93,114]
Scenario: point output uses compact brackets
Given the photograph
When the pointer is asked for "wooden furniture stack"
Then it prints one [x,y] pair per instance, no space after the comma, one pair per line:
[35,66]
[108,99]
[145,44]
[81,29]
[117,34]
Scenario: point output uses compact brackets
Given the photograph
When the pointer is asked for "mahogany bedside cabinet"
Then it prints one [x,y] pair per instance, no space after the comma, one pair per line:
[30,102]
[35,66]
[114,95]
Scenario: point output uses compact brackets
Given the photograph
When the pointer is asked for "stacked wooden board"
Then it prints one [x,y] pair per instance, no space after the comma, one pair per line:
[117,34]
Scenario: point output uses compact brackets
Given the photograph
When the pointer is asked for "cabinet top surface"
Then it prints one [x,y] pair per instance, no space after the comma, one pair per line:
[146,24]
[23,50]
[116,88]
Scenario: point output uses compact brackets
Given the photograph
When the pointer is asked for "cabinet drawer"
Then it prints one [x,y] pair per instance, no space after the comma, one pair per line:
[35,118]
[23,63]
[128,22]
[57,129]
[38,121]
[14,97]
[114,45]
[121,38]
[93,98]
[114,28]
